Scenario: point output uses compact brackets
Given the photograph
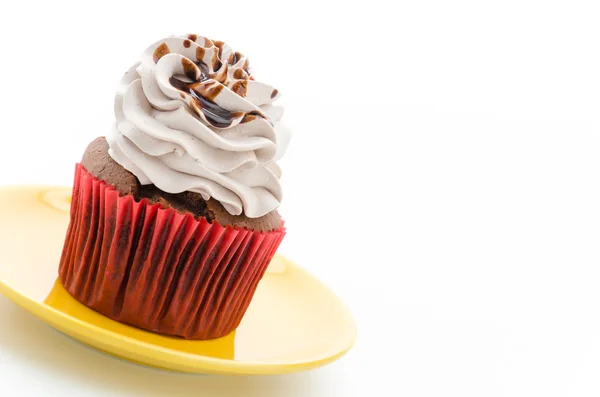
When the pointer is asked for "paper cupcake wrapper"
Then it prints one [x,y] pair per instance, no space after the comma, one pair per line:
[156,268]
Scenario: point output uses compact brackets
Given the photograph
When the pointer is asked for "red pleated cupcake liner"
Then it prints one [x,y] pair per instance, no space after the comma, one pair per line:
[158,269]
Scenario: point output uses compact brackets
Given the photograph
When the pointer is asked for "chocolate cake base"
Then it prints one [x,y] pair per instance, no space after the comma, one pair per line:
[100,164]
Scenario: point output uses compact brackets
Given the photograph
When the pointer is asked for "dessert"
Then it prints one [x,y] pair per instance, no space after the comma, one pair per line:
[174,213]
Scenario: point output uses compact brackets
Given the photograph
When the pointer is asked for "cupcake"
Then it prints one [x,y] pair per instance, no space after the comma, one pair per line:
[174,215]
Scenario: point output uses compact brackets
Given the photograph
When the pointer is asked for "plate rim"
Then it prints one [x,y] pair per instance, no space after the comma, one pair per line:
[186,362]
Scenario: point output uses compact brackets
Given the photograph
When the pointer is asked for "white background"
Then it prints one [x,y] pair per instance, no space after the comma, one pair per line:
[442,179]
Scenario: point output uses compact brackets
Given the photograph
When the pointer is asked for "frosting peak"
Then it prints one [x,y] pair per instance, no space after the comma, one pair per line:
[191,117]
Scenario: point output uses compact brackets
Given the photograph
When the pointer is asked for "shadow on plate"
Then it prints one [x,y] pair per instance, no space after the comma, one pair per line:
[61,300]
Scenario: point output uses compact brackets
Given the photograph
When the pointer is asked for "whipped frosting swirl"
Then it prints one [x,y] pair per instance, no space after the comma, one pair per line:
[191,117]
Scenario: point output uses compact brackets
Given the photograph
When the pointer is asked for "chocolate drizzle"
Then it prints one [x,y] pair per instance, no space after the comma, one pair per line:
[203,96]
[248,117]
[234,57]
[239,74]
[215,114]
[189,69]
[219,45]
[205,79]
[216,61]
[240,87]
[160,52]
[203,100]
[200,51]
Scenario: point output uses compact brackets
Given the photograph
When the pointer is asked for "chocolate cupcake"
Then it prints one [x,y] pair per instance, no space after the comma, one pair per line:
[174,213]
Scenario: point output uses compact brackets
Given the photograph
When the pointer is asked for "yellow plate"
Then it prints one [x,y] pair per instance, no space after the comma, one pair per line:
[294,322]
